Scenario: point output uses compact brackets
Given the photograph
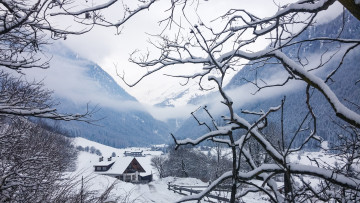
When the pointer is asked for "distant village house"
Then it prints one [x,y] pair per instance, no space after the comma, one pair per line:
[133,154]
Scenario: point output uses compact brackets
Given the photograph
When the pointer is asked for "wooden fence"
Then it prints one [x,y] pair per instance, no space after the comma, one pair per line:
[189,190]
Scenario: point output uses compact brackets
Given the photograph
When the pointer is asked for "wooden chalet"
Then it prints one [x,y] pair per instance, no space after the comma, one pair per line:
[127,169]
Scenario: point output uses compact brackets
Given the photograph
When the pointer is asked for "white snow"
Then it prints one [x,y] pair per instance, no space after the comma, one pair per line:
[157,190]
[324,145]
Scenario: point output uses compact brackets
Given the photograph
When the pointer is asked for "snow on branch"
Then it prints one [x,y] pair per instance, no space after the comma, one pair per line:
[311,6]
[341,111]
[257,135]
[222,131]
[223,50]
[86,10]
[328,175]
[22,98]
[46,113]
[202,194]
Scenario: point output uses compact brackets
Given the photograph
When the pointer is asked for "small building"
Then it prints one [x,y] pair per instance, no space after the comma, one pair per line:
[127,169]
[160,147]
[133,154]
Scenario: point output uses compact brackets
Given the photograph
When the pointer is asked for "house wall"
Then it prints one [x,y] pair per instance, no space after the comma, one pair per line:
[128,177]
[103,168]
[132,177]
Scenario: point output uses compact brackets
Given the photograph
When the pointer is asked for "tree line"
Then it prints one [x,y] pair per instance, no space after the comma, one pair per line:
[191,162]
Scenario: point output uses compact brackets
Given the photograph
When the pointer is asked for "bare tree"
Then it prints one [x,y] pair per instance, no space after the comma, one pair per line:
[27,27]
[31,160]
[22,98]
[26,24]
[76,189]
[222,49]
[158,162]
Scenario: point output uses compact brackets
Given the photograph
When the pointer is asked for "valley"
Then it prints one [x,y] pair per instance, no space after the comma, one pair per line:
[179,101]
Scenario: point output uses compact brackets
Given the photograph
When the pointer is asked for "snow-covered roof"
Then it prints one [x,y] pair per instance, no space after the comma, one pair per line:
[105,162]
[121,163]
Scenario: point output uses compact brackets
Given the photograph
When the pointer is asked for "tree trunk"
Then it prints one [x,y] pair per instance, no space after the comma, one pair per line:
[287,187]
[233,192]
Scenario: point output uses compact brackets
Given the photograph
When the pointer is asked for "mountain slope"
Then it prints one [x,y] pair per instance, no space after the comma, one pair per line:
[121,120]
[295,107]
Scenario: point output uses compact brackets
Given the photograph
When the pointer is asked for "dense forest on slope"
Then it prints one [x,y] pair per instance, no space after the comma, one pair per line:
[295,107]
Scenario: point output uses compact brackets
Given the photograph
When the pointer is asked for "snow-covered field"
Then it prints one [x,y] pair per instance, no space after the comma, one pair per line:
[157,190]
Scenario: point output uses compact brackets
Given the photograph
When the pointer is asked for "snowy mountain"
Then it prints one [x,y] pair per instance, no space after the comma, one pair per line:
[295,107]
[176,96]
[79,84]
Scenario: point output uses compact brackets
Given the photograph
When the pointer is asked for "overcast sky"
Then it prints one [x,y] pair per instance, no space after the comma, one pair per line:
[111,51]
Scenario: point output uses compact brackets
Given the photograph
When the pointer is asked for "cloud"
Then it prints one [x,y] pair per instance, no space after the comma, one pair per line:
[165,113]
[69,80]
[102,46]
[243,94]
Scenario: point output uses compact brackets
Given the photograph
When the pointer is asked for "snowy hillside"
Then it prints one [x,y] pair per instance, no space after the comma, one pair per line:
[157,190]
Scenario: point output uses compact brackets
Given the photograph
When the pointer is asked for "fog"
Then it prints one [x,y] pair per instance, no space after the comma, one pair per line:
[112,51]
[68,78]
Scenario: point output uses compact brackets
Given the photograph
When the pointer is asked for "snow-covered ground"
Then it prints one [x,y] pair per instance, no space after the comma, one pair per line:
[157,190]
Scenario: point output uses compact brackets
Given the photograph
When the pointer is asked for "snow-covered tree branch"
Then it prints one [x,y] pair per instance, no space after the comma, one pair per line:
[225,46]
[19,97]
[26,28]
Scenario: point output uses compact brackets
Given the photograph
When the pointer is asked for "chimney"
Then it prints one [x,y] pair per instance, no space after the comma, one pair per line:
[101,159]
[109,159]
